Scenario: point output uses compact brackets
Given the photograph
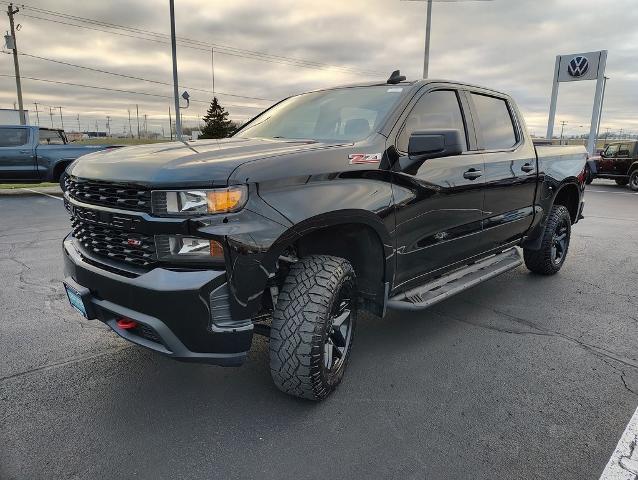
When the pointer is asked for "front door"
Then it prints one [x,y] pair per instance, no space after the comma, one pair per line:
[439,208]
[17,160]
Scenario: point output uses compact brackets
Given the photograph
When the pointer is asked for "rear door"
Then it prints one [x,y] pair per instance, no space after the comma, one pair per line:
[510,168]
[17,155]
[438,208]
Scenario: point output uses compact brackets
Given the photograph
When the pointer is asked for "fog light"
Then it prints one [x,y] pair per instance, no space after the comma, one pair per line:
[180,248]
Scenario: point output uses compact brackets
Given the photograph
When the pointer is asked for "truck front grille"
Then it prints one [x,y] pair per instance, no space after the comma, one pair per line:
[117,195]
[129,247]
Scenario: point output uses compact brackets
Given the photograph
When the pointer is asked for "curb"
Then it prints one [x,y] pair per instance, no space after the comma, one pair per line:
[26,191]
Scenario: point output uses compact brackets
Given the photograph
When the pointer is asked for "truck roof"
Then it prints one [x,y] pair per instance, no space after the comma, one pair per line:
[411,84]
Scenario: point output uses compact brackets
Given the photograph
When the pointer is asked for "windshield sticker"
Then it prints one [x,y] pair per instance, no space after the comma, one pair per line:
[395,90]
[362,158]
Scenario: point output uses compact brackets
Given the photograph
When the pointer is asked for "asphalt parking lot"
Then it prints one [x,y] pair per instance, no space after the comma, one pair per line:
[521,377]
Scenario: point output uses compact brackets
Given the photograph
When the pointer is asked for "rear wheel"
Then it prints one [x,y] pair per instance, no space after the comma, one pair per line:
[622,182]
[551,256]
[633,181]
[313,327]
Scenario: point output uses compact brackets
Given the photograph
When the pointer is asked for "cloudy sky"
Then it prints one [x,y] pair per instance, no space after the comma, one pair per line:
[270,49]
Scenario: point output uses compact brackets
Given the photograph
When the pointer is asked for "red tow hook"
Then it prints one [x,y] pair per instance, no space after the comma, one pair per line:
[126,323]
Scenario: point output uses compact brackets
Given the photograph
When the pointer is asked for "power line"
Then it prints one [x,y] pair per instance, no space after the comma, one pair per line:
[132,77]
[186,42]
[147,94]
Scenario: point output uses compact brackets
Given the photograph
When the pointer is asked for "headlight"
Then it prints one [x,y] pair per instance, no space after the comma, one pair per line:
[199,202]
[188,249]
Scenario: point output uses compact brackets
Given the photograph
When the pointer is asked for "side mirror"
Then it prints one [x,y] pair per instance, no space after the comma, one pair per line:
[427,144]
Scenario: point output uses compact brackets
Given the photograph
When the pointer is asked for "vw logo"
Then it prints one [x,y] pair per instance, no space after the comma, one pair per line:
[578,66]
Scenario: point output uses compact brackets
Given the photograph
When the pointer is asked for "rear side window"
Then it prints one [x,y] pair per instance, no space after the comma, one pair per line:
[13,137]
[435,110]
[495,122]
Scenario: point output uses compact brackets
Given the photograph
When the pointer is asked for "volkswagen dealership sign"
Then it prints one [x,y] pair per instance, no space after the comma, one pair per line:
[574,68]
[581,66]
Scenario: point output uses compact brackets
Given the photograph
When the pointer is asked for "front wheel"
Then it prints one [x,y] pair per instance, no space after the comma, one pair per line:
[313,327]
[589,177]
[633,181]
[549,259]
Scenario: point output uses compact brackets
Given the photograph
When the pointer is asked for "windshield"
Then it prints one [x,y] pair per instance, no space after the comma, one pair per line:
[349,114]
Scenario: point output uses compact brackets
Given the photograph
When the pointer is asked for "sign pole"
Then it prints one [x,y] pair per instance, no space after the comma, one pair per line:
[591,142]
[552,105]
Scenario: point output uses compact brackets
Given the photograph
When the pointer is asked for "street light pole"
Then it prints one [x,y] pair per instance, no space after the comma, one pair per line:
[428,28]
[178,120]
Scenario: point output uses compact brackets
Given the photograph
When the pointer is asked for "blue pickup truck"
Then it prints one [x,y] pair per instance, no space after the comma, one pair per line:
[34,154]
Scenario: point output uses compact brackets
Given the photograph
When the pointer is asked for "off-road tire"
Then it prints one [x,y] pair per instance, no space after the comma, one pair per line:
[302,322]
[633,181]
[543,261]
[62,180]
[621,182]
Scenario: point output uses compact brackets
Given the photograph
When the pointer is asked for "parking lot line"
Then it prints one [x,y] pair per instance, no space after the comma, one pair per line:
[613,193]
[623,464]
[41,193]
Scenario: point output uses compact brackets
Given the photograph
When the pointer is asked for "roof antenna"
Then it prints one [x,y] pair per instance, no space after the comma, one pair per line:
[396,77]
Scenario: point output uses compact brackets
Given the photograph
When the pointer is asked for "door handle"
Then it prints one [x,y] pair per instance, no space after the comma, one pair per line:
[527,168]
[472,174]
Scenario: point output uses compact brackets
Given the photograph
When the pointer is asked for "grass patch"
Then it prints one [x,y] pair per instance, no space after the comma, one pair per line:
[12,186]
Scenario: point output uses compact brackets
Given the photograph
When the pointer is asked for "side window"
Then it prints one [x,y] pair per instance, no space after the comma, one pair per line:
[50,137]
[611,150]
[435,110]
[495,122]
[13,137]
[623,151]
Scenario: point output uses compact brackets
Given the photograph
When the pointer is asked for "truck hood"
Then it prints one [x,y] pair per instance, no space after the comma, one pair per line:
[175,164]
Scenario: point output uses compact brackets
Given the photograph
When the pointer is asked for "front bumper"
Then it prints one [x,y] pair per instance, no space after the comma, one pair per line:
[173,308]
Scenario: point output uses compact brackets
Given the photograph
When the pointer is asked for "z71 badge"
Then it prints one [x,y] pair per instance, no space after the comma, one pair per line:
[359,158]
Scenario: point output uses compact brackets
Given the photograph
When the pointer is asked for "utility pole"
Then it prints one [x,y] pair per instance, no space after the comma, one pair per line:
[178,121]
[108,125]
[212,67]
[145,127]
[51,115]
[170,123]
[130,132]
[562,129]
[16,65]
[137,112]
[61,120]
[37,113]
[79,127]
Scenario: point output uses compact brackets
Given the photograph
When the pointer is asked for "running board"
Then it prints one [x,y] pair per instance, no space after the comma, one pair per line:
[425,296]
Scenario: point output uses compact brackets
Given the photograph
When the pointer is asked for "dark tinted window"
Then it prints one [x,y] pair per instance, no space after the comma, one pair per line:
[435,110]
[623,151]
[495,122]
[13,137]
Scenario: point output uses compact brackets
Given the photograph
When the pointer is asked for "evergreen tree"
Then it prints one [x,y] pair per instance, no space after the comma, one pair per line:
[216,122]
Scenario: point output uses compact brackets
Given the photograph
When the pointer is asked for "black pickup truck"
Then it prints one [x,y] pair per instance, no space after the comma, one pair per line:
[619,162]
[382,196]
